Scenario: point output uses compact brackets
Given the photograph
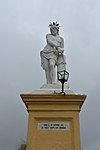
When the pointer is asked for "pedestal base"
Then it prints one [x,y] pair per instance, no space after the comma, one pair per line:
[53,89]
[53,121]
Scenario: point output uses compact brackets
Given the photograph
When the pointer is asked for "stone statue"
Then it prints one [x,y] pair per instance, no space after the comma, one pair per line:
[52,54]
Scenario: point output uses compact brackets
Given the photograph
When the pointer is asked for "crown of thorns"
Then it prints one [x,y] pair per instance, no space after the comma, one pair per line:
[54,24]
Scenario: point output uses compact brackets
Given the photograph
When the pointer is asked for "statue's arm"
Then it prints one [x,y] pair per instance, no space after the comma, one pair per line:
[61,47]
[51,41]
[62,43]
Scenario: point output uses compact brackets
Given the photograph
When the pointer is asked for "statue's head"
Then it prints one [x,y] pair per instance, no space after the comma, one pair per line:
[54,28]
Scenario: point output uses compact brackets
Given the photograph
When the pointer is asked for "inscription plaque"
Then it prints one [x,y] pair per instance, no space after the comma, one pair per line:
[53,125]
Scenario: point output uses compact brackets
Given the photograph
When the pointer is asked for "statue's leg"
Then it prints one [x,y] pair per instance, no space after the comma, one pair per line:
[45,65]
[48,79]
[52,70]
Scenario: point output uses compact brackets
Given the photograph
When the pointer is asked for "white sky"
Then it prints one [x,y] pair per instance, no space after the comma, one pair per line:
[23,26]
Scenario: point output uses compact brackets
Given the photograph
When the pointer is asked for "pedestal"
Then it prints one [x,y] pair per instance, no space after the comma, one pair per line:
[53,122]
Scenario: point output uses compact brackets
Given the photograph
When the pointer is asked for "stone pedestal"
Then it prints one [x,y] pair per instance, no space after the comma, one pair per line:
[53,121]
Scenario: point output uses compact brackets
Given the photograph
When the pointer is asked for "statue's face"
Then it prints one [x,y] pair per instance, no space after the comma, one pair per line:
[54,31]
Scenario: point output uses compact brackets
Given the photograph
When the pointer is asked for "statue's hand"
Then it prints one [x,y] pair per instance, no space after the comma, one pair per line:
[56,51]
[60,50]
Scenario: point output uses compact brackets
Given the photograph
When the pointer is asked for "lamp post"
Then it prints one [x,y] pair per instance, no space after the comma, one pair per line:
[62,77]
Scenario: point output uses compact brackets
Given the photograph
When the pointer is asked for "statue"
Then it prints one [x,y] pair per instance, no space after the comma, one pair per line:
[52,54]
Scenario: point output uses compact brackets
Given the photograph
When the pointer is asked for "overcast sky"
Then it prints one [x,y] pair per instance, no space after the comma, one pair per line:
[23,26]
